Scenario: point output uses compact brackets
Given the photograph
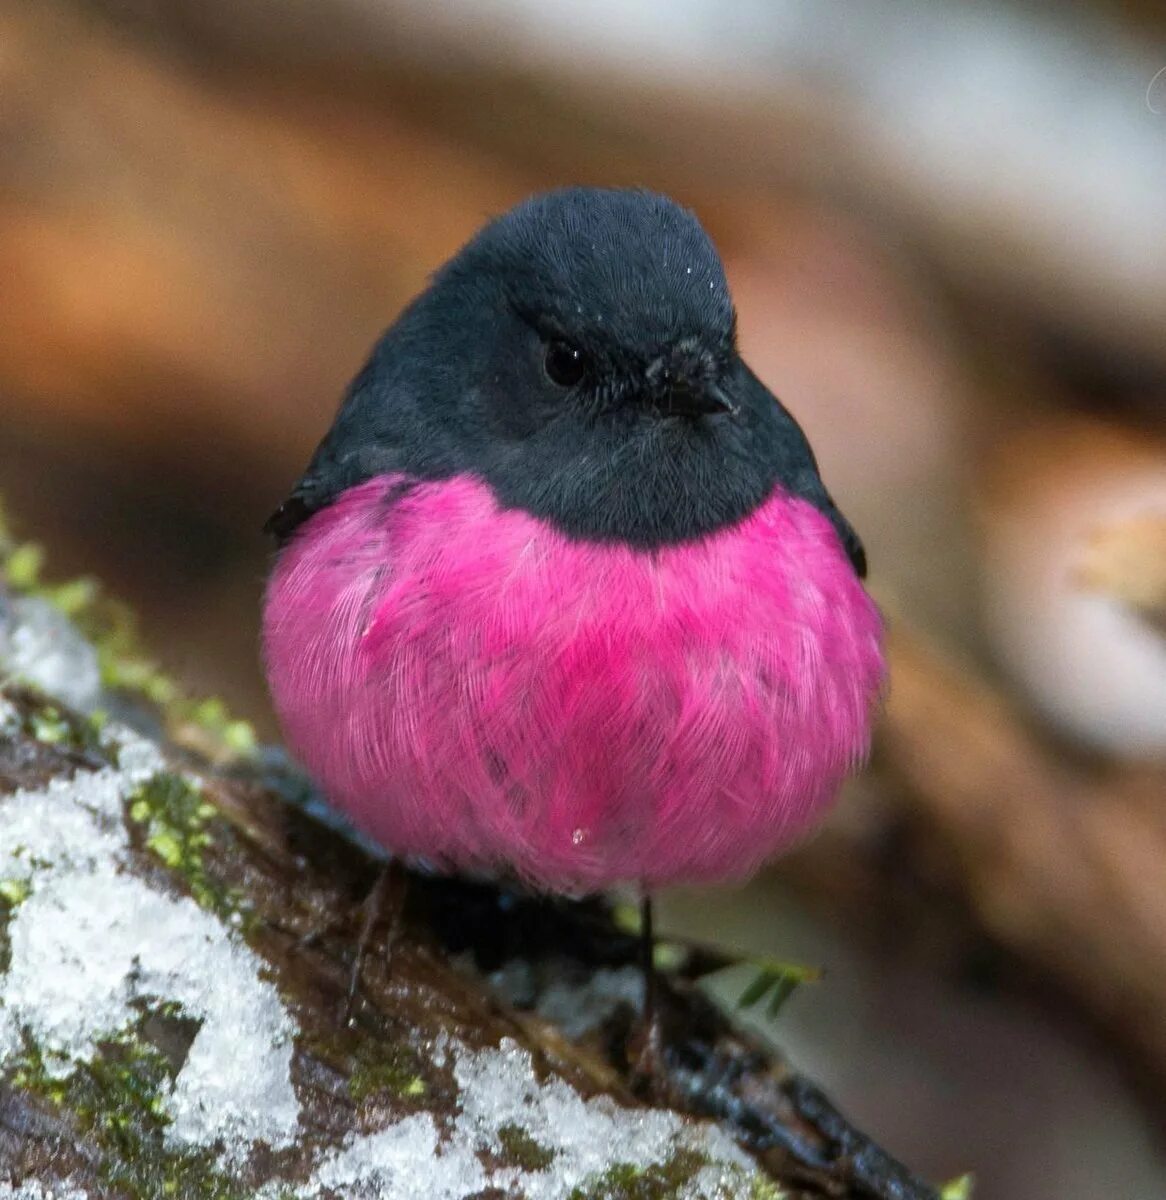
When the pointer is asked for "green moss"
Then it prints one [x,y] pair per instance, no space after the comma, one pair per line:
[49,726]
[175,822]
[117,1100]
[519,1149]
[22,566]
[13,892]
[123,663]
[110,626]
[212,717]
[6,907]
[663,1181]
[112,629]
[379,1069]
[625,1181]
[126,667]
[43,721]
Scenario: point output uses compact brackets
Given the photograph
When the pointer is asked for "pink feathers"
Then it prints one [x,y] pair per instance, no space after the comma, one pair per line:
[476,689]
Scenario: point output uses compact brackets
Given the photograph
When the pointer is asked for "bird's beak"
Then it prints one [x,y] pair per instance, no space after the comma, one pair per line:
[703,400]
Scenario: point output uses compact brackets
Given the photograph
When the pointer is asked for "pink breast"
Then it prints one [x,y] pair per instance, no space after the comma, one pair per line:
[474,688]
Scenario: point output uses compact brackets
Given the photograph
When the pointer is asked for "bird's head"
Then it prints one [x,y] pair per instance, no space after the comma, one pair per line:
[579,355]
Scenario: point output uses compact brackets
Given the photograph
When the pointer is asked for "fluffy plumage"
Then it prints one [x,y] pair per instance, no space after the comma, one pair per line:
[475,688]
[561,593]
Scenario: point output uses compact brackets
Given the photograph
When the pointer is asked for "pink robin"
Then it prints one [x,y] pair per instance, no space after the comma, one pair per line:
[561,595]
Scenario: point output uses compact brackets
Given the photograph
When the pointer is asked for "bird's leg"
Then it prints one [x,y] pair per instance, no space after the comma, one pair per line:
[390,884]
[648,959]
[648,1059]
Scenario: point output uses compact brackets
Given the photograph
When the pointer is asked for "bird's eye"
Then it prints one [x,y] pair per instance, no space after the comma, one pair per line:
[564,364]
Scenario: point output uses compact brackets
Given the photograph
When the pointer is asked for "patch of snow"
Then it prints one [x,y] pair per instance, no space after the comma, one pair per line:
[91,941]
[402,1161]
[31,1190]
[71,827]
[498,1088]
[136,755]
[38,643]
[716,1180]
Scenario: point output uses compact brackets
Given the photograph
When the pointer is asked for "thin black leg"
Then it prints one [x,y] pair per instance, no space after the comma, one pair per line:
[648,960]
[647,1059]
[372,909]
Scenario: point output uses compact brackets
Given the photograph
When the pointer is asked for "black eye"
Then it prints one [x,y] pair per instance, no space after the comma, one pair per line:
[564,364]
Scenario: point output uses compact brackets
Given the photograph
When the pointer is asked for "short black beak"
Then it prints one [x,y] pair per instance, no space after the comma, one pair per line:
[704,400]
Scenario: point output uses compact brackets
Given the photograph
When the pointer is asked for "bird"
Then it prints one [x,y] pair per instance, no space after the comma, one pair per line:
[561,596]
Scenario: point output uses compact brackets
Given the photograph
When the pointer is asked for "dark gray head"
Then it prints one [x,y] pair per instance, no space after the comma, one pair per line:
[579,355]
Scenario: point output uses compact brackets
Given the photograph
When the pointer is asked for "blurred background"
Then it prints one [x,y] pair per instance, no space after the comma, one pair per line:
[945,228]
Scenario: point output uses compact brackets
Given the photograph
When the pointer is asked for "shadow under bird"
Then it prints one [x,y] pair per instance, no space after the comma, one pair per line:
[561,595]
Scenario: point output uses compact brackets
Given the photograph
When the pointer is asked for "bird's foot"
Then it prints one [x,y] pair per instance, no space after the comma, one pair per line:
[385,900]
[647,1068]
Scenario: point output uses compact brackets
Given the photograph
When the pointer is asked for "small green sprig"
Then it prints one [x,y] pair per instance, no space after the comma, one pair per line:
[775,982]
